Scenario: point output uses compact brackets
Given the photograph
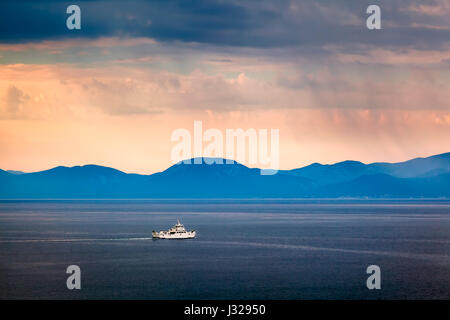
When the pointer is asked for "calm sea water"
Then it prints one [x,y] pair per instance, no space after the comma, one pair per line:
[244,249]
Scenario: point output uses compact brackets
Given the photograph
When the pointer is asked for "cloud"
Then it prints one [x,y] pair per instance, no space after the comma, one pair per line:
[251,23]
[139,69]
[51,45]
[227,37]
[434,8]
[393,57]
[127,89]
[117,97]
[14,100]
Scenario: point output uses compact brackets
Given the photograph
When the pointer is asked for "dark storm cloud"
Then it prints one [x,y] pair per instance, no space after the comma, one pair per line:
[249,23]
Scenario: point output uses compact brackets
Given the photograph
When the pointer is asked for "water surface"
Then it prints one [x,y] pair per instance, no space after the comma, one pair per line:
[286,249]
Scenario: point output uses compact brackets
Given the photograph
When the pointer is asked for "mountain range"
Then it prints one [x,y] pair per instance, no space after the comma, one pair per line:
[417,178]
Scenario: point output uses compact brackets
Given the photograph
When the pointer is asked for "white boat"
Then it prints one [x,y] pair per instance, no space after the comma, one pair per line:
[176,232]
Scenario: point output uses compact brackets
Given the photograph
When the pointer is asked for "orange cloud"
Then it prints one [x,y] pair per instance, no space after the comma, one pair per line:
[393,57]
[440,8]
[123,116]
[54,45]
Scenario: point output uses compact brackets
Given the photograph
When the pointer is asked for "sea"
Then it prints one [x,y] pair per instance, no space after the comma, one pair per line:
[244,249]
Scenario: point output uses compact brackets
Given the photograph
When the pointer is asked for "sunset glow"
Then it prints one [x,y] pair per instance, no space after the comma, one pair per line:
[114,100]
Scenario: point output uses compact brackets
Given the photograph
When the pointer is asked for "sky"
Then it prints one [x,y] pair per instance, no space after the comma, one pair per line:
[113,92]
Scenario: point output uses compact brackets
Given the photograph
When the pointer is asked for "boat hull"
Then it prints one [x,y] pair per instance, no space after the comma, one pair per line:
[166,235]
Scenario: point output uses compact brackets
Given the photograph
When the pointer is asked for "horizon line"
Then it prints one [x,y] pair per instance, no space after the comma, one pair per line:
[225,159]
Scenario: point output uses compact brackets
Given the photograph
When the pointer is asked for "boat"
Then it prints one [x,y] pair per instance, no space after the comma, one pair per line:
[176,232]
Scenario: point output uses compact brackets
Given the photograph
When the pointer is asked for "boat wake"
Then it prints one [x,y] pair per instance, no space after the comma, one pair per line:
[73,240]
[438,258]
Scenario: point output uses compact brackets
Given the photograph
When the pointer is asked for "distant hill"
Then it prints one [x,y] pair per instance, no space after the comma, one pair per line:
[416,178]
[349,170]
[414,167]
[332,173]
[386,186]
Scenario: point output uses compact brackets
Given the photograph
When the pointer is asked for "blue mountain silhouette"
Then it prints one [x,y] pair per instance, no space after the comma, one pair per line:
[416,178]
[349,170]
